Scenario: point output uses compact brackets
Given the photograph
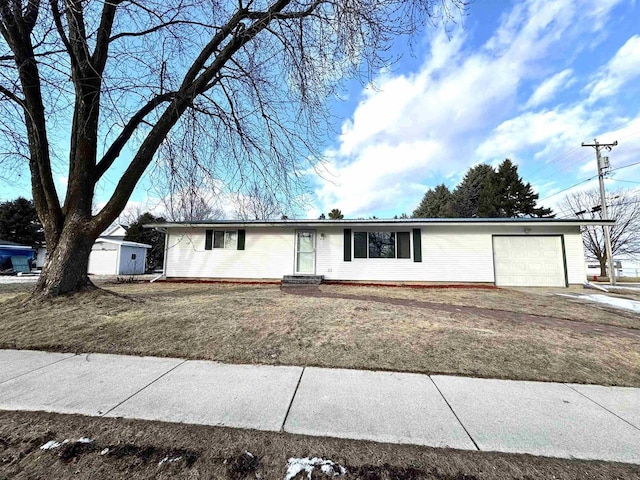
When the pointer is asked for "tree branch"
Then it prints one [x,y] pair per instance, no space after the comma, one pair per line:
[116,147]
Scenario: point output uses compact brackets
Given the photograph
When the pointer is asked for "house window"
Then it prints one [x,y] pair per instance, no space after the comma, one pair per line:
[404,245]
[360,245]
[222,239]
[381,245]
[133,256]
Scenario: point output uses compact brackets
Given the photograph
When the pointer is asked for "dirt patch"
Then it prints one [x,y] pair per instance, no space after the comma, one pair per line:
[579,326]
[150,454]
[138,448]
[242,465]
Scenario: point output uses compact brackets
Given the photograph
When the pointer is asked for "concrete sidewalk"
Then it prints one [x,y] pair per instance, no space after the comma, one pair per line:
[552,419]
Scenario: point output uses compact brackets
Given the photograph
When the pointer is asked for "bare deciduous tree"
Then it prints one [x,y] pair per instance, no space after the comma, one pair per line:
[116,80]
[624,207]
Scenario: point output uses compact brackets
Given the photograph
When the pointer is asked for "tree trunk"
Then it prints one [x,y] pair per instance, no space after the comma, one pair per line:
[67,262]
[603,266]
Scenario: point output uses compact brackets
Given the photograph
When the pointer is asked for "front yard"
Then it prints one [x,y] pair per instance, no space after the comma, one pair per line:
[500,333]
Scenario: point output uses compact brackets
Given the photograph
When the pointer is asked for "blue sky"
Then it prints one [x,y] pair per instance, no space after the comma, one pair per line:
[525,80]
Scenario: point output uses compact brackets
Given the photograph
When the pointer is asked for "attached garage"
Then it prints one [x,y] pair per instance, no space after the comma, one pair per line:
[531,260]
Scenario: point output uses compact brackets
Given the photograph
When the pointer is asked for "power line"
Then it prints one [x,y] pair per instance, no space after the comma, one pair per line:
[625,181]
[624,166]
[568,188]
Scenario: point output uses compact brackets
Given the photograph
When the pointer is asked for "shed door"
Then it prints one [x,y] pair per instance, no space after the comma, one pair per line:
[103,262]
[529,261]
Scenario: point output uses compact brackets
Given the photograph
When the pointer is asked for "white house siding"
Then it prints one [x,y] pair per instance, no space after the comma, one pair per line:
[128,265]
[450,254]
[574,249]
[268,254]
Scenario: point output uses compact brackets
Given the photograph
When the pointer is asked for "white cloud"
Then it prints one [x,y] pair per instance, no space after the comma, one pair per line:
[410,130]
[548,89]
[622,68]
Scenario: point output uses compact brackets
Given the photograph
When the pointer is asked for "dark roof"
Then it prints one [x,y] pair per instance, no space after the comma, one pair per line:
[7,242]
[379,221]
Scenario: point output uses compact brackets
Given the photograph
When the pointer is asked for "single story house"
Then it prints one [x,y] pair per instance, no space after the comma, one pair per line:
[503,252]
[15,257]
[111,254]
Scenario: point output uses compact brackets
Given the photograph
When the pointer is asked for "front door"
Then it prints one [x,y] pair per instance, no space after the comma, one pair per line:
[305,252]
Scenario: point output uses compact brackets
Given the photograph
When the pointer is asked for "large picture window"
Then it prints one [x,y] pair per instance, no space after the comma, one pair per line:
[381,245]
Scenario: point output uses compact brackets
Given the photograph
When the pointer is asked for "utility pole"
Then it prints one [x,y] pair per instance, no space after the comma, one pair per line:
[603,164]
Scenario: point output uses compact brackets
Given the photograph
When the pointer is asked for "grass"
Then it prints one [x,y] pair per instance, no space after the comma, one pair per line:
[485,333]
[137,448]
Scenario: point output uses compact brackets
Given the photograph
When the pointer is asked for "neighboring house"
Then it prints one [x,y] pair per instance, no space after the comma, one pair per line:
[15,257]
[504,252]
[111,254]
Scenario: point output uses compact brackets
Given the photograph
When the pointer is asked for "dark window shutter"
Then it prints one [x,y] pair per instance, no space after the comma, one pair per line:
[417,245]
[241,235]
[347,244]
[208,240]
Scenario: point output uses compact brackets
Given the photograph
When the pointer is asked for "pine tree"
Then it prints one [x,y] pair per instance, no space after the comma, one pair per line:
[336,214]
[468,195]
[19,222]
[514,198]
[436,203]
[136,233]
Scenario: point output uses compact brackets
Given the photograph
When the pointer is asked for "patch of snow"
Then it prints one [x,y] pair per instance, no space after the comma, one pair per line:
[307,465]
[622,287]
[51,444]
[104,451]
[622,303]
[168,460]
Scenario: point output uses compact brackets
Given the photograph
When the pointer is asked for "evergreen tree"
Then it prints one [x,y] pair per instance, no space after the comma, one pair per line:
[468,195]
[436,203]
[19,222]
[136,233]
[484,193]
[512,197]
[335,214]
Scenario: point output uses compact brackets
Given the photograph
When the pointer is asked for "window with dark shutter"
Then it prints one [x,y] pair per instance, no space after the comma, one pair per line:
[208,239]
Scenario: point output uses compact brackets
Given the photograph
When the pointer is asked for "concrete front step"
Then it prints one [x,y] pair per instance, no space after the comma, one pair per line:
[302,279]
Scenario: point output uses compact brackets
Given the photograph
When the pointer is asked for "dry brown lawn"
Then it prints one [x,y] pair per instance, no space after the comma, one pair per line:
[488,333]
[133,450]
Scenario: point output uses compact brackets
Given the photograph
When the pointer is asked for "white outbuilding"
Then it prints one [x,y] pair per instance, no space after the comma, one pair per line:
[111,254]
[117,257]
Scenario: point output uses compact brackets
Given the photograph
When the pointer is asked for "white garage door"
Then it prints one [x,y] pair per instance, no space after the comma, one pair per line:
[529,261]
